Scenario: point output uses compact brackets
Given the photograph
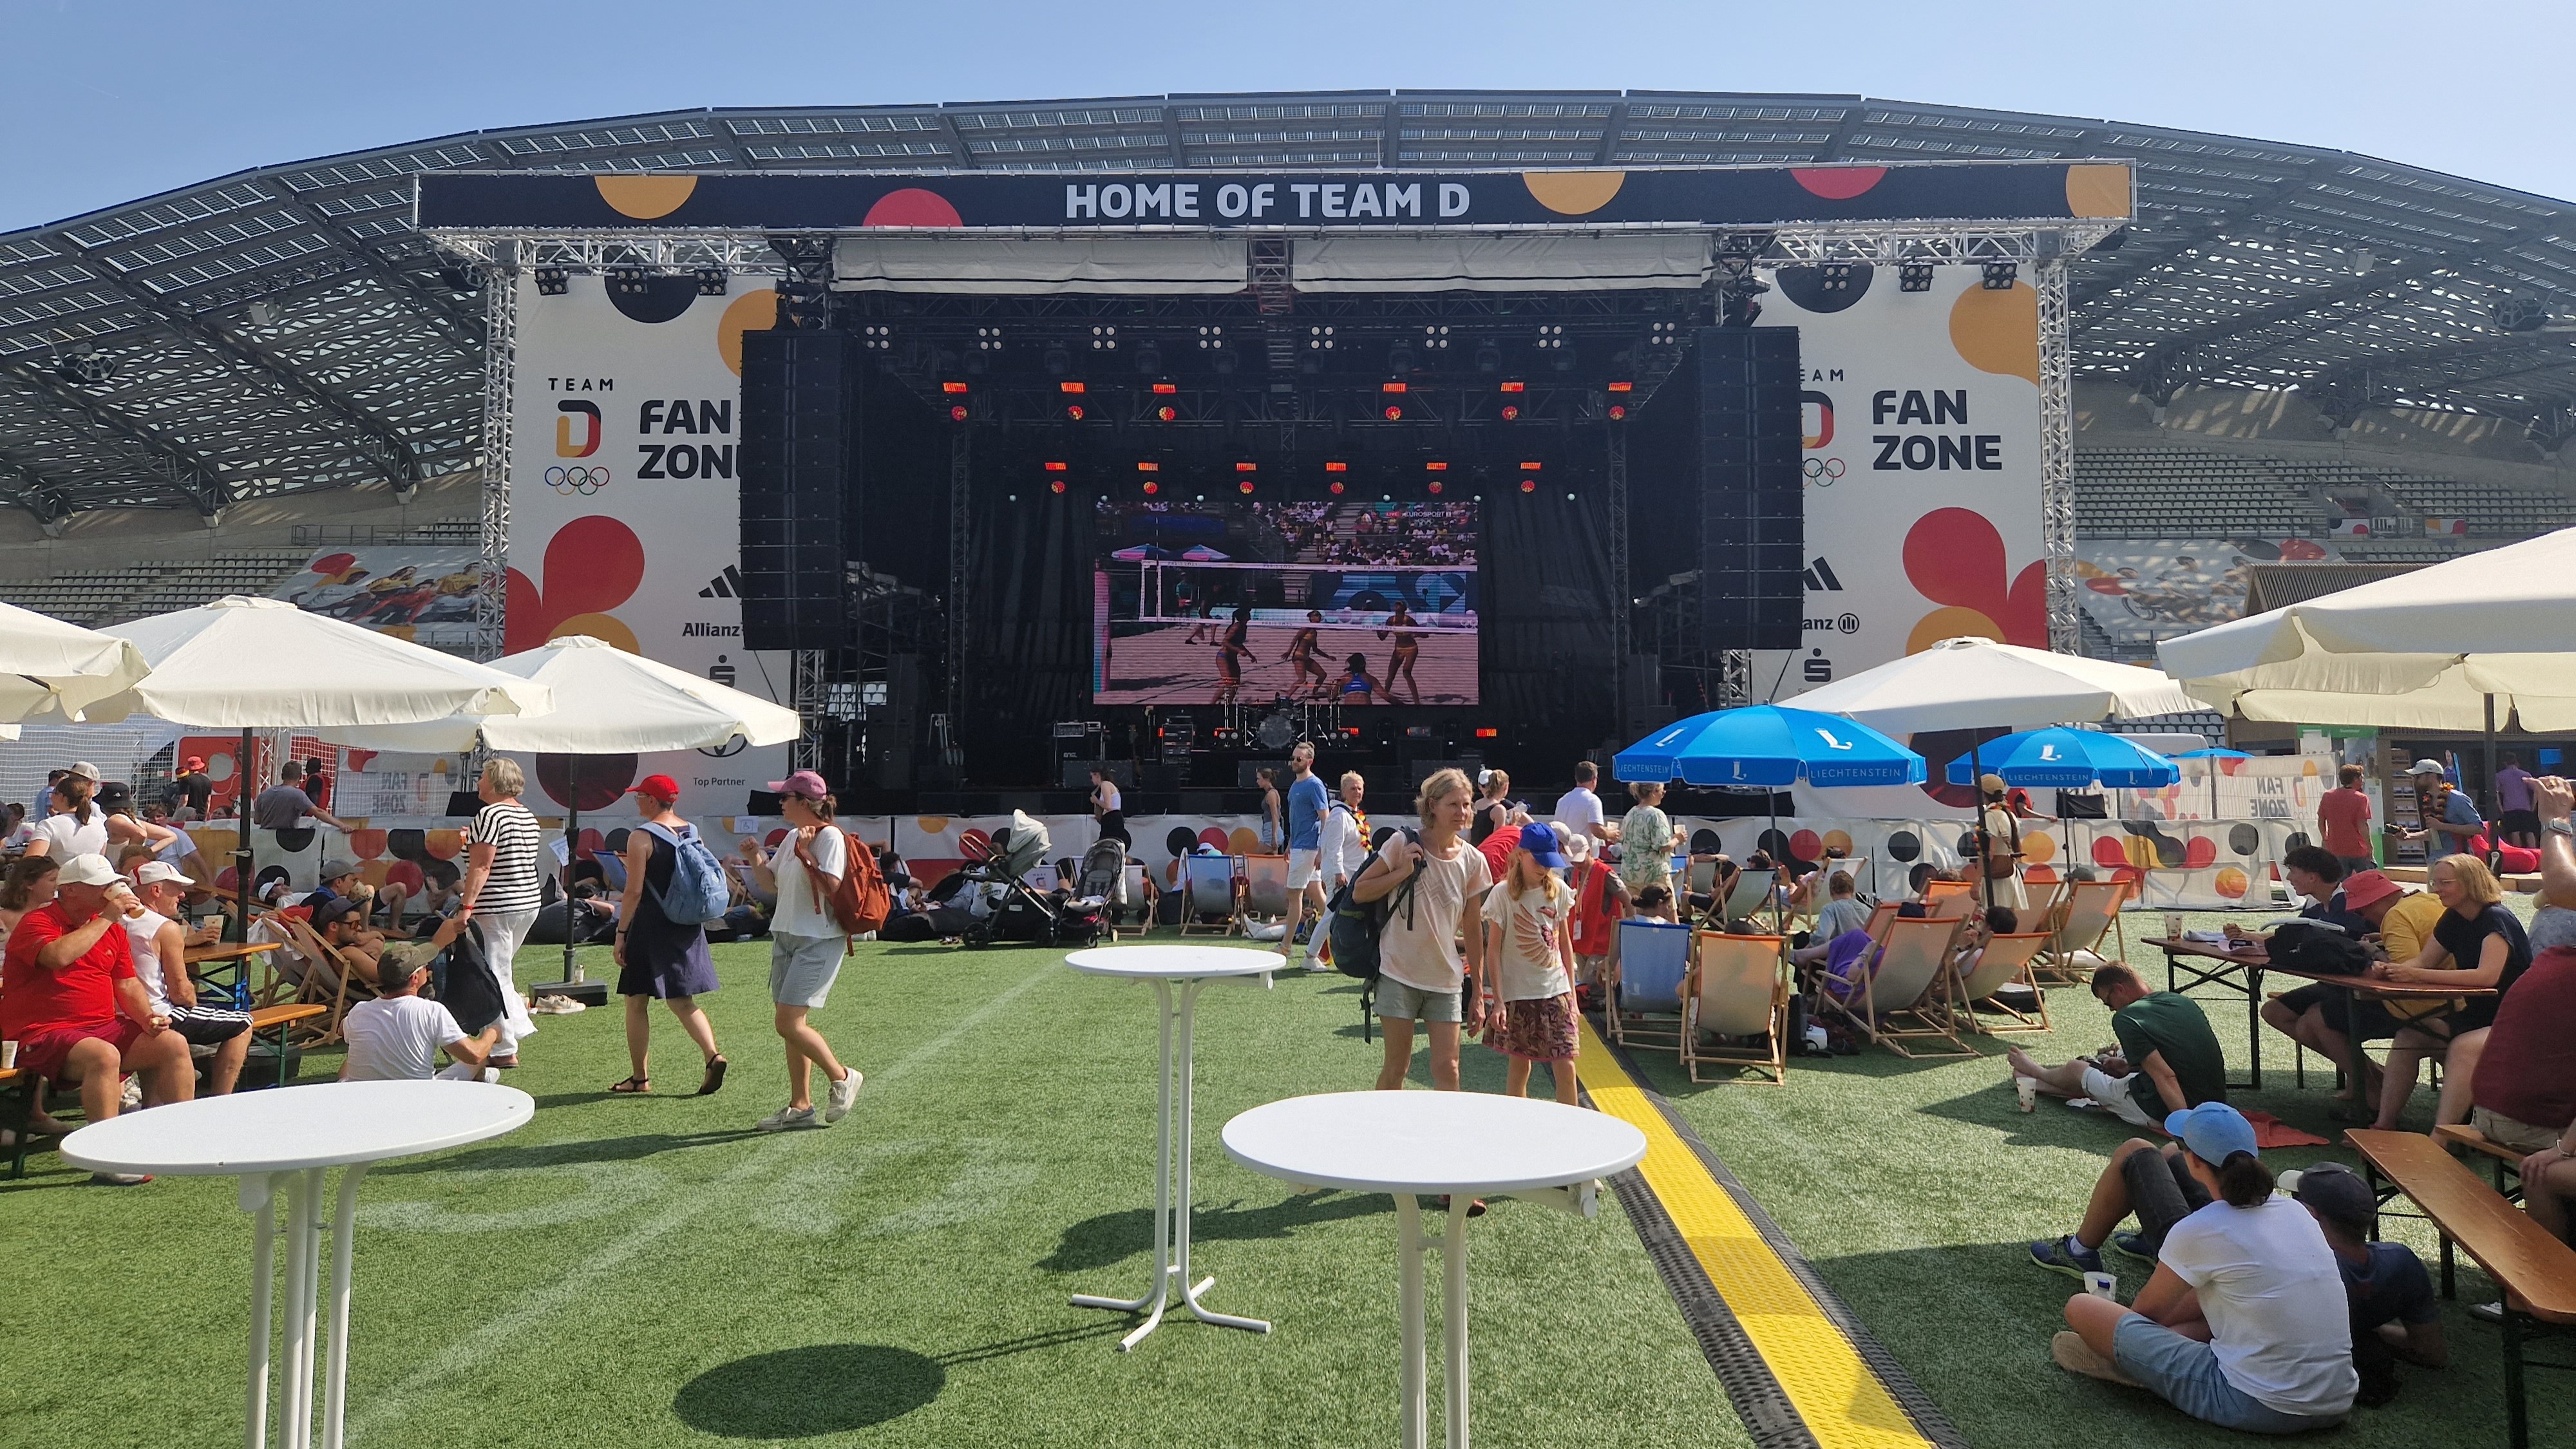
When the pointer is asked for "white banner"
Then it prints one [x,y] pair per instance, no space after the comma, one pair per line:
[624,501]
[1922,467]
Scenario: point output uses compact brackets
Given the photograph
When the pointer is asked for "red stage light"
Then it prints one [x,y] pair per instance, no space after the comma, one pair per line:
[952,387]
[1167,388]
[1149,467]
[1337,485]
[1247,467]
[1337,467]
[1055,467]
[957,414]
[1245,486]
[1488,732]
[1529,485]
[1167,412]
[1515,387]
[1623,387]
[1393,412]
[1390,387]
[1435,485]
[1435,467]
[1074,411]
[1068,387]
[1057,485]
[1618,412]
[1511,412]
[1529,467]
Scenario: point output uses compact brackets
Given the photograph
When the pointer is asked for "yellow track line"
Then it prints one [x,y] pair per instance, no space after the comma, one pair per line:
[1842,1401]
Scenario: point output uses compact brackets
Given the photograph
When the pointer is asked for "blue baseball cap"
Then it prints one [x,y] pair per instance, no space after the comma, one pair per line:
[1540,841]
[2214,1132]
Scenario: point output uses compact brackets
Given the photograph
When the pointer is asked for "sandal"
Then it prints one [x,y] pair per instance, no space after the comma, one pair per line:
[715,1075]
[632,1085]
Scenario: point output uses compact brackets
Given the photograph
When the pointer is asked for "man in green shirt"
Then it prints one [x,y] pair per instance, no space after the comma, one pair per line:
[2168,1058]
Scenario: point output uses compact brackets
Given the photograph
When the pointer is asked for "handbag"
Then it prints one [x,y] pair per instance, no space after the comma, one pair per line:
[2002,867]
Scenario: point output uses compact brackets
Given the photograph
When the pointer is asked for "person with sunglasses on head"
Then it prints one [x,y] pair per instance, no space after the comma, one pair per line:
[806,945]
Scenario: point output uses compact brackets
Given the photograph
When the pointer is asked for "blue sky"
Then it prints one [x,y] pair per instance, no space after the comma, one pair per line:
[106,102]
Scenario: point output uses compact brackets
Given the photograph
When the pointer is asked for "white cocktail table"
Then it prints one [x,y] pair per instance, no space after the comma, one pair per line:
[1189,968]
[295,1133]
[1464,1144]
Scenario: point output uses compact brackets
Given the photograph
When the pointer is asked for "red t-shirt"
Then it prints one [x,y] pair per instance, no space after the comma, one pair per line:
[2528,1071]
[1498,849]
[2344,815]
[82,993]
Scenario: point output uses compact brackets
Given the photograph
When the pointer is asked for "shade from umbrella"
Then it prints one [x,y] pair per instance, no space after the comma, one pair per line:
[1974,683]
[52,667]
[2065,759]
[243,663]
[1768,746]
[611,703]
[2422,650]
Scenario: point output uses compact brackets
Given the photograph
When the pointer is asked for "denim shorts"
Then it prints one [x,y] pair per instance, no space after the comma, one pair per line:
[1399,1002]
[2184,1372]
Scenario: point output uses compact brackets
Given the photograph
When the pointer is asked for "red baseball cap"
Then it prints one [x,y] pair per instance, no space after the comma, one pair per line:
[660,787]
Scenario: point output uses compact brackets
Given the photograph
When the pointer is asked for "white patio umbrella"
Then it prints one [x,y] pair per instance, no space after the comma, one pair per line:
[48,666]
[1973,683]
[249,664]
[613,703]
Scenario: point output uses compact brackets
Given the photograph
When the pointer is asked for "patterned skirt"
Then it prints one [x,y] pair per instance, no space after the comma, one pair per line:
[1542,1030]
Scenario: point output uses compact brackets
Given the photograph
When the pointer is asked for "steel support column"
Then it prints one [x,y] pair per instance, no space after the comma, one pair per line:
[961,470]
[807,696]
[2057,456]
[500,345]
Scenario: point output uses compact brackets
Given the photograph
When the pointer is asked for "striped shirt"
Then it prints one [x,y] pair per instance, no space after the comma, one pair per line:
[512,832]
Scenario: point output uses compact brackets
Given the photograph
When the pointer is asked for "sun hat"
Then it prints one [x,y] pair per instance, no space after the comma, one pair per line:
[2367,887]
[1991,783]
[2214,1132]
[804,784]
[194,764]
[334,869]
[87,870]
[1577,848]
[1540,841]
[660,787]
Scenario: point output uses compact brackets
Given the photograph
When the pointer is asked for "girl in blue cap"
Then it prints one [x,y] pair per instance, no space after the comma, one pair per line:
[1529,965]
[2244,1323]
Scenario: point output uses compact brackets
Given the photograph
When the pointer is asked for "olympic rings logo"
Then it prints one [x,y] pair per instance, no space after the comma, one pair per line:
[1823,471]
[580,479]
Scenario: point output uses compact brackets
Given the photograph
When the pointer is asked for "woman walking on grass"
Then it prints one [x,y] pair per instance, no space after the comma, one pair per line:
[805,945]
[657,956]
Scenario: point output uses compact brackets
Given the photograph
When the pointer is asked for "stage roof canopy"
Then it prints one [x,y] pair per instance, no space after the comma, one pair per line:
[285,328]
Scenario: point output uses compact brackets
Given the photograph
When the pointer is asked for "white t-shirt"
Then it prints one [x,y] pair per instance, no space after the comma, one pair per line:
[1529,965]
[1424,954]
[1343,846]
[141,934]
[2275,1302]
[66,837]
[1579,807]
[801,908]
[397,1039]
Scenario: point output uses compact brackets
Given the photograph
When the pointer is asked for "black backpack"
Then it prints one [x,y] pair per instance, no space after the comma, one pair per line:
[1355,925]
[2318,948]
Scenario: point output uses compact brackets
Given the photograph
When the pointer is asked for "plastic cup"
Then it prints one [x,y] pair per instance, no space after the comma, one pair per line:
[8,1056]
[2026,1091]
[2102,1285]
[2173,925]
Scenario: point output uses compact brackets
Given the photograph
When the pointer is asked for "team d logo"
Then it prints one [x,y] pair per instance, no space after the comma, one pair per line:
[576,429]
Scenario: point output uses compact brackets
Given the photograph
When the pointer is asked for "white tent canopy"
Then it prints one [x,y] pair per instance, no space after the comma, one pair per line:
[611,703]
[243,663]
[1973,683]
[2424,650]
[50,666]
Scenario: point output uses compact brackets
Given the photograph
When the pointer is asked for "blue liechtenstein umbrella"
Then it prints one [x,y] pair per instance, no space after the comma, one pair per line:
[1765,746]
[2066,759]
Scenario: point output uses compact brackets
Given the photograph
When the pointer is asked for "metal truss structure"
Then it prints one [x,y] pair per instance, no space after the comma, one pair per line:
[2057,458]
[492,600]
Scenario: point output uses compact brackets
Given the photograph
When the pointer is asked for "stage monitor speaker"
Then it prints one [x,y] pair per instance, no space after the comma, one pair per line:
[800,454]
[1752,535]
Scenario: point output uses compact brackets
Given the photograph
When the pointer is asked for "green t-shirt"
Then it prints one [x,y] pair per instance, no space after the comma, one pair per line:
[2171,1023]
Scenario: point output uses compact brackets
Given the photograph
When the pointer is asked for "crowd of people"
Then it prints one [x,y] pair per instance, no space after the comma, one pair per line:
[1371,535]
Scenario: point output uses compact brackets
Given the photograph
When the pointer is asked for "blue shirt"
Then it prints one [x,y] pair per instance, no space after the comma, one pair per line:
[1305,812]
[2458,810]
[2389,1285]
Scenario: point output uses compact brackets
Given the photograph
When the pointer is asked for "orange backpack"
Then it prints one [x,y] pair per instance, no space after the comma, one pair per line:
[860,904]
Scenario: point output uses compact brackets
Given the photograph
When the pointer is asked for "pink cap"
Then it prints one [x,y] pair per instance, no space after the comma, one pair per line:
[804,784]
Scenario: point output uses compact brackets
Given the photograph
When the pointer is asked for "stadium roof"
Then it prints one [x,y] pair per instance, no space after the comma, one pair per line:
[285,328]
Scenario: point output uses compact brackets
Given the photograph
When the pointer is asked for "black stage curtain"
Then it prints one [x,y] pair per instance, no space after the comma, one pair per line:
[1028,656]
[1546,631]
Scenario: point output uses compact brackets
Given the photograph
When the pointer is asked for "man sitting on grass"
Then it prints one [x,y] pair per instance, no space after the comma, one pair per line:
[2168,1058]
[397,1037]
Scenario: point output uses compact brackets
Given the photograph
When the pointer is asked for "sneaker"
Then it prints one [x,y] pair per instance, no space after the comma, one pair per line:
[2135,1245]
[836,1102]
[131,1098]
[120,1179]
[1317,966]
[492,1075]
[786,1118]
[2067,1256]
[2076,1356]
[2487,1312]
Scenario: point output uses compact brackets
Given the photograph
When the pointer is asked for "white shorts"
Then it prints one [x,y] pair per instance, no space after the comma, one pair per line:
[2113,1093]
[1301,868]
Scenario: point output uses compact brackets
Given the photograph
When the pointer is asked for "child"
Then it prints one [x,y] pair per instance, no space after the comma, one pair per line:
[397,1037]
[1529,965]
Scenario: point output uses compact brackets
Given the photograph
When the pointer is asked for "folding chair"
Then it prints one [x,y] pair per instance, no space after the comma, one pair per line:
[1212,895]
[1739,991]
[327,980]
[2005,961]
[1751,898]
[1905,995]
[1855,866]
[1653,962]
[1265,885]
[2092,912]
[1952,900]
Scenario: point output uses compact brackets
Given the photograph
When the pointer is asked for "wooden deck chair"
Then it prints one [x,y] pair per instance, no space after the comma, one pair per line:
[1739,991]
[1820,889]
[1265,885]
[2092,912]
[1211,895]
[1751,898]
[328,980]
[1952,900]
[2005,962]
[1699,877]
[1907,996]
[1654,966]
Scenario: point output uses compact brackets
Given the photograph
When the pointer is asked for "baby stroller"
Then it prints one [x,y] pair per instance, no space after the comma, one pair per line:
[1011,910]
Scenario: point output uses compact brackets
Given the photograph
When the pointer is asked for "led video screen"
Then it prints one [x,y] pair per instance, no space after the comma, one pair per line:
[1272,603]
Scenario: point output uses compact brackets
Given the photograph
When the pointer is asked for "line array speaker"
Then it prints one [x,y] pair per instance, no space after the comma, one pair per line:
[800,456]
[1752,535]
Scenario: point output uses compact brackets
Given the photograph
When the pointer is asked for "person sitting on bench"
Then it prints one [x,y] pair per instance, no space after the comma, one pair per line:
[2317,1016]
[2524,1086]
[2244,1323]
[2168,1058]
[2394,1313]
[397,1037]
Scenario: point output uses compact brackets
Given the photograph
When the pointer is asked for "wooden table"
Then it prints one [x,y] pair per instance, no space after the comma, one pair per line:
[235,959]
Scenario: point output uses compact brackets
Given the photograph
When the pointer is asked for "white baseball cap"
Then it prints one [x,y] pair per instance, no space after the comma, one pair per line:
[159,870]
[2428,767]
[88,870]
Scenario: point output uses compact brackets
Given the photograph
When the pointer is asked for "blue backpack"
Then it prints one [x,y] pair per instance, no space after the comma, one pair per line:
[697,892]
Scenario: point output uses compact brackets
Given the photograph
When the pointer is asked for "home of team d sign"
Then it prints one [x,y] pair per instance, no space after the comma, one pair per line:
[1930,451]
[668,418]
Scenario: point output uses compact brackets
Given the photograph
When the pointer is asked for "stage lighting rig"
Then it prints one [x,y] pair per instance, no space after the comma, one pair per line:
[1104,339]
[1739,292]
[460,278]
[85,366]
[551,281]
[2000,276]
[630,281]
[1913,275]
[1399,359]
[1149,357]
[713,281]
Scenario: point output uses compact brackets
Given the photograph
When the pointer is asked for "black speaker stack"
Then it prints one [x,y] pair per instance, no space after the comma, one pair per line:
[800,457]
[1752,536]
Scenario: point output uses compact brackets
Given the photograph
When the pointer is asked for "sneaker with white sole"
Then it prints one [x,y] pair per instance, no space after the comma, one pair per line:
[1317,967]
[836,1101]
[786,1118]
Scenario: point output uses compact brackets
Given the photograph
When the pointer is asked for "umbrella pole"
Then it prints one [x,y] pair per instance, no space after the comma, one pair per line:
[242,785]
[572,848]
[1977,792]
[2489,793]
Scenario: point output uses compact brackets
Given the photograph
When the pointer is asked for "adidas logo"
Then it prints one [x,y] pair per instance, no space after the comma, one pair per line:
[728,585]
[1819,576]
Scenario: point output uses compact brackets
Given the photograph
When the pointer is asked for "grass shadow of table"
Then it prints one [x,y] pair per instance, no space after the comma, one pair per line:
[804,1393]
[1111,1238]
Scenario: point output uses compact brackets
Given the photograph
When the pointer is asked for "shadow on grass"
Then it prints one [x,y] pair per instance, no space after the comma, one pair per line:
[804,1393]
[1115,1237]
[558,1154]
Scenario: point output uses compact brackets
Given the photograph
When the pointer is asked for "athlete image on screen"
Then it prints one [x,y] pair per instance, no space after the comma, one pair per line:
[1301,652]
[1204,632]
[1232,653]
[1408,647]
[1355,686]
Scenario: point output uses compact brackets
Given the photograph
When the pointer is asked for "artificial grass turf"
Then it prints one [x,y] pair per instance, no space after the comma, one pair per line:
[649,1271]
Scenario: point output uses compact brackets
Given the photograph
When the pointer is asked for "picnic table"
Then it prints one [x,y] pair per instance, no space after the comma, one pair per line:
[228,960]
[2525,883]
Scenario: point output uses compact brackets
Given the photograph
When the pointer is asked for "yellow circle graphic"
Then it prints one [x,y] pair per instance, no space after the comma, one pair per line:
[645,198]
[2097,190]
[1951,622]
[2037,848]
[750,312]
[932,824]
[1998,332]
[606,628]
[1574,193]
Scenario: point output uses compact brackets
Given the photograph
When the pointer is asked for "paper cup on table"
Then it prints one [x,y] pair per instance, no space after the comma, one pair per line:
[2173,925]
[8,1056]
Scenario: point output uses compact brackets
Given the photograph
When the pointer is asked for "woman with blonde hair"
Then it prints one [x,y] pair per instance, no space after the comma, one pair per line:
[2477,943]
[1435,883]
[1646,841]
[502,892]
